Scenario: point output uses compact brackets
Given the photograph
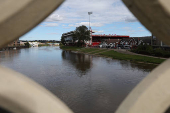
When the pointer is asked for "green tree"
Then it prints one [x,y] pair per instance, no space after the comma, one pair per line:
[27,44]
[81,34]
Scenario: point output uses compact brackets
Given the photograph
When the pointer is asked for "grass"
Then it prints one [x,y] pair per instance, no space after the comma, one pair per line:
[115,55]
[87,50]
[99,50]
[121,56]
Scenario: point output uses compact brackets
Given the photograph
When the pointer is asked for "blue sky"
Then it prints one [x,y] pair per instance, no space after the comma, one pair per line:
[109,17]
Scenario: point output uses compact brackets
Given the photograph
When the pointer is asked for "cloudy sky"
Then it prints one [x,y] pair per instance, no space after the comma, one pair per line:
[109,17]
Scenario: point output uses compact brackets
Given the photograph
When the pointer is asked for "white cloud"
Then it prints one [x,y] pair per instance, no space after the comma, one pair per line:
[104,12]
[66,27]
[86,24]
[50,24]
[129,29]
[130,19]
[71,25]
[53,18]
[100,31]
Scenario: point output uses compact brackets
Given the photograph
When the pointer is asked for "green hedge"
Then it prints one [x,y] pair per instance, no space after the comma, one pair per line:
[148,50]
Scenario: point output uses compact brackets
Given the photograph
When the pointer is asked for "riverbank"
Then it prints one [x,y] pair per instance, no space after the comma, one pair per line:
[70,48]
[114,54]
[40,45]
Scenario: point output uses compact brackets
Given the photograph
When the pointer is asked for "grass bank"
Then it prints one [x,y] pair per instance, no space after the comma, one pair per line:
[87,50]
[113,54]
[40,45]
[98,51]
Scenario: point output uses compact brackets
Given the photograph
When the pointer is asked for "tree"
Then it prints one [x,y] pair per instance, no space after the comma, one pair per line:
[81,34]
[27,44]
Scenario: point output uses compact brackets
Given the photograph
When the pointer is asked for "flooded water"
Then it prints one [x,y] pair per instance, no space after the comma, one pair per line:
[87,84]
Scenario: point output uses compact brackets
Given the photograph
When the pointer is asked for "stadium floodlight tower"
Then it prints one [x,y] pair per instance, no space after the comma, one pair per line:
[89,18]
[90,42]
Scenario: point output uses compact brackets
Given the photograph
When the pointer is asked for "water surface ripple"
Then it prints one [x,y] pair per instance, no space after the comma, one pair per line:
[87,84]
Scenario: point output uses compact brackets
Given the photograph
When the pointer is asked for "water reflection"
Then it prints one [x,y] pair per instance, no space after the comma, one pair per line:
[137,66]
[80,61]
[87,84]
[10,54]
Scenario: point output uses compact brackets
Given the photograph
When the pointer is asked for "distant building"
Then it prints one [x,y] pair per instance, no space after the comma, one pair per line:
[115,42]
[99,38]
[96,39]
[149,40]
[14,43]
[135,41]
[157,42]
[34,44]
[129,41]
[68,37]
[143,40]
[22,43]
[56,44]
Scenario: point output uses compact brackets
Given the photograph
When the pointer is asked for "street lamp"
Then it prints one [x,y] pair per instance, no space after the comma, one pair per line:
[89,18]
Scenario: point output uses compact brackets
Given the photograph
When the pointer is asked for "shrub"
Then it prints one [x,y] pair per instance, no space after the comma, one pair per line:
[158,52]
[148,50]
[166,54]
[144,52]
[144,49]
